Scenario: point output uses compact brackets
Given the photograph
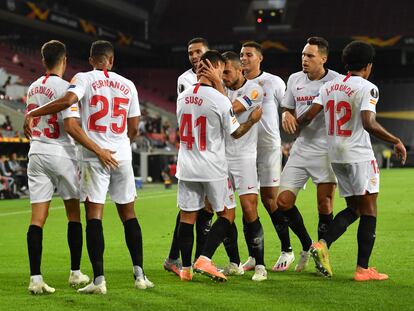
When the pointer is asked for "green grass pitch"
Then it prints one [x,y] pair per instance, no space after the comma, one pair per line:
[156,209]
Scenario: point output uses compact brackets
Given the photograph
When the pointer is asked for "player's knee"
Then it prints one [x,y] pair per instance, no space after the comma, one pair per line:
[325,206]
[284,201]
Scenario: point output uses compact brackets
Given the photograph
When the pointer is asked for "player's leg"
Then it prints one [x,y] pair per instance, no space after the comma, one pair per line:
[190,199]
[41,191]
[67,184]
[173,263]
[203,226]
[94,186]
[221,197]
[75,242]
[284,201]
[367,225]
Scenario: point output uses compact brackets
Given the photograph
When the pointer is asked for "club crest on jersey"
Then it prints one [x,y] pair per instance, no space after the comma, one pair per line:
[374,93]
[248,101]
[254,94]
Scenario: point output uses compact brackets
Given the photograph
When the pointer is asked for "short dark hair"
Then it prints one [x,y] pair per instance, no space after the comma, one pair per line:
[213,56]
[253,44]
[199,40]
[101,48]
[357,55]
[232,57]
[52,52]
[323,45]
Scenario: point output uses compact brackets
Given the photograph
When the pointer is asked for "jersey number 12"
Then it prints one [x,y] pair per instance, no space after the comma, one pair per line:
[340,107]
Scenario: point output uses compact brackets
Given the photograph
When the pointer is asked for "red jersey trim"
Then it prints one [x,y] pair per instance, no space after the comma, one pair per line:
[196,88]
[347,77]
[46,77]
[105,72]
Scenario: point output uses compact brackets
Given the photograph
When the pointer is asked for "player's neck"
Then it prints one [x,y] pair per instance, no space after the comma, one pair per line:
[253,74]
[317,75]
[240,82]
[356,73]
[57,71]
[205,81]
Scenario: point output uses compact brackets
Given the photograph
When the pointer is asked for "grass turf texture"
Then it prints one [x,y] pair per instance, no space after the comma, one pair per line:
[393,254]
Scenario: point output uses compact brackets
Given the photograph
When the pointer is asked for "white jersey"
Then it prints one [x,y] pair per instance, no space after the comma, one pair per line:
[274,90]
[250,95]
[188,78]
[299,95]
[343,99]
[205,116]
[106,104]
[48,134]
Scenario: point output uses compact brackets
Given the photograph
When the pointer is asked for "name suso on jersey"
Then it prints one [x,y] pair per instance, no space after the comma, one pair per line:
[343,99]
[204,116]
[107,101]
[49,129]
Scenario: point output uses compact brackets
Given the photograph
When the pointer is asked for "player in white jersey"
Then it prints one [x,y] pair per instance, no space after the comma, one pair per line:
[241,157]
[309,154]
[349,104]
[196,47]
[110,115]
[269,155]
[52,164]
[204,116]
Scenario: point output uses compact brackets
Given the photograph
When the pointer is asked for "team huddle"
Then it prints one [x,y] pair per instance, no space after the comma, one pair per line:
[228,118]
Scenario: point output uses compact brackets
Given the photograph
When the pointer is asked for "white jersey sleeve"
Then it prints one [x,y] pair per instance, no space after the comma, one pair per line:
[370,98]
[78,85]
[288,100]
[185,80]
[134,110]
[252,96]
[71,112]
[230,122]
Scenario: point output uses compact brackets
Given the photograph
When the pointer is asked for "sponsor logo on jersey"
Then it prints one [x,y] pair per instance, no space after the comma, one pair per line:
[305,99]
[248,101]
[181,88]
[374,93]
[254,94]
[250,187]
[72,86]
[300,88]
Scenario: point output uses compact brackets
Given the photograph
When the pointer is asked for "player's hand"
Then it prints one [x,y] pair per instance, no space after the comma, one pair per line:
[400,151]
[106,158]
[289,122]
[28,125]
[206,69]
[256,114]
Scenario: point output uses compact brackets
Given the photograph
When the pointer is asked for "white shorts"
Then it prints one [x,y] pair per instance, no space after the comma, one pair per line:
[269,166]
[243,174]
[47,172]
[300,167]
[96,181]
[191,195]
[357,178]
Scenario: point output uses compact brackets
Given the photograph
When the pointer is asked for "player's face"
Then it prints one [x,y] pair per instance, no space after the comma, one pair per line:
[230,75]
[250,59]
[312,60]
[195,51]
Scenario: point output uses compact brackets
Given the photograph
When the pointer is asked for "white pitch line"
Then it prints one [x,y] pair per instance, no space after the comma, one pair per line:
[62,207]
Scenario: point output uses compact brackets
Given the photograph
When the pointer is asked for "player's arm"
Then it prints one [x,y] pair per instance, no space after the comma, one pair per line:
[238,107]
[254,117]
[371,125]
[289,122]
[73,128]
[288,104]
[52,107]
[132,124]
[309,115]
[252,97]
